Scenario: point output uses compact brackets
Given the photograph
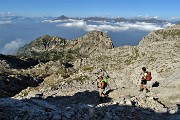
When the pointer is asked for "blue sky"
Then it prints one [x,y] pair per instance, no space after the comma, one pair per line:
[86,8]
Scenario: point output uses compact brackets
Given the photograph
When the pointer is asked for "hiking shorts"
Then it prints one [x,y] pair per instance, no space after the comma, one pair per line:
[144,82]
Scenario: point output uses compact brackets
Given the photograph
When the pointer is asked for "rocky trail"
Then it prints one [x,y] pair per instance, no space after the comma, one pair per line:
[85,105]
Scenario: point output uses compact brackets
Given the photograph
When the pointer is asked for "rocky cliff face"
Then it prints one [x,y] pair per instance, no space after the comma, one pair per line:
[161,51]
[93,42]
[51,48]
[68,89]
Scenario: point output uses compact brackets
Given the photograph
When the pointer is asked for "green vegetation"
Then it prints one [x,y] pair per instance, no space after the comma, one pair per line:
[177,45]
[78,79]
[88,68]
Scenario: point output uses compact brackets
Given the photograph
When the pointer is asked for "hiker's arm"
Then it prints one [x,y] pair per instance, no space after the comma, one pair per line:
[97,84]
[145,76]
[102,85]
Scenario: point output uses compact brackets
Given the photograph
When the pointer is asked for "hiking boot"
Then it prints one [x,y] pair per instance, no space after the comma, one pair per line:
[105,95]
[147,90]
[141,90]
[100,99]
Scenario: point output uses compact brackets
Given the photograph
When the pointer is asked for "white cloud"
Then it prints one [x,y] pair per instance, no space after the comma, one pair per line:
[168,24]
[4,22]
[5,14]
[11,47]
[91,27]
[175,18]
[105,28]
[80,24]
[141,26]
[121,26]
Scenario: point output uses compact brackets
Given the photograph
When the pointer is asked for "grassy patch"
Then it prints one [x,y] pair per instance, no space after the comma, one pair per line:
[88,68]
[77,79]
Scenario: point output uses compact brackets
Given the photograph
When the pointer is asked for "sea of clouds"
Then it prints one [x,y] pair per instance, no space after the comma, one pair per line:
[109,26]
[11,45]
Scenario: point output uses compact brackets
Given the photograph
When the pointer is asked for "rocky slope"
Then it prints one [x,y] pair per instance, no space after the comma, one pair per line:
[68,89]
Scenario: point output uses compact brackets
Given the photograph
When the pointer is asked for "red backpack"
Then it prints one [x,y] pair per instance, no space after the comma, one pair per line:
[148,77]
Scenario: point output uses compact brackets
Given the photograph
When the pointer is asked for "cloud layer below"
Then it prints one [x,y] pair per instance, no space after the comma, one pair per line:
[106,26]
[11,47]
[4,22]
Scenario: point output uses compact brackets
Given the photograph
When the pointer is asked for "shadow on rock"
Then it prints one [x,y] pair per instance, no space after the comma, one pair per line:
[10,85]
[79,106]
[109,91]
[17,63]
[85,97]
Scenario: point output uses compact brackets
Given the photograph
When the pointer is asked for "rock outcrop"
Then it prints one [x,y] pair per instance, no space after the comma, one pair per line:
[93,42]
[51,48]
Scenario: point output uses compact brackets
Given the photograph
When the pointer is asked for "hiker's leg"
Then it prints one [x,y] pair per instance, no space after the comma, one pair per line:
[103,92]
[147,90]
[145,87]
[142,85]
[100,93]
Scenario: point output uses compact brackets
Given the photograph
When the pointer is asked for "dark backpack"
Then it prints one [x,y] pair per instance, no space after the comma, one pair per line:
[148,77]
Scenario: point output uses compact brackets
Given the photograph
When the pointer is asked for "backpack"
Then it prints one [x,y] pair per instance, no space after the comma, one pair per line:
[148,77]
[105,83]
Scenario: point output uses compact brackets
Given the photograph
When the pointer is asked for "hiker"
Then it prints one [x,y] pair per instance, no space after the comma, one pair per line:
[104,74]
[101,85]
[144,80]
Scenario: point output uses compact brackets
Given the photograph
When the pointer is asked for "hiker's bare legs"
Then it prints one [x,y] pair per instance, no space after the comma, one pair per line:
[141,87]
[100,92]
[147,90]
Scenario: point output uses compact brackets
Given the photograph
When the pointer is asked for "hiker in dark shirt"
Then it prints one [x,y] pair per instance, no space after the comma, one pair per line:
[144,81]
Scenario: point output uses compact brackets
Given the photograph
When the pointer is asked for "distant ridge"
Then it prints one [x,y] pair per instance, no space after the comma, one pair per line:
[116,19]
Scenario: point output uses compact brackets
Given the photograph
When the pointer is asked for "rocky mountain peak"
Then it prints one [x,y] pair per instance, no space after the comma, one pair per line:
[41,44]
[93,42]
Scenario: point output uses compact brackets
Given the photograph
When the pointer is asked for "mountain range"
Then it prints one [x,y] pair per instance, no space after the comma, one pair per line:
[93,18]
[118,19]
